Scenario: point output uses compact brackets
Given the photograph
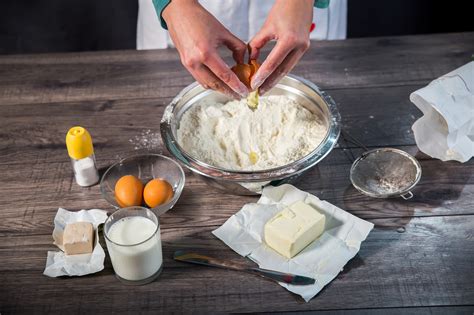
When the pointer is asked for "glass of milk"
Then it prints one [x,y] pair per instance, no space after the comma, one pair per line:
[134,244]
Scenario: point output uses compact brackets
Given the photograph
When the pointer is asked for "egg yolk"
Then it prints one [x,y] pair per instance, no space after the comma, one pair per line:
[245,72]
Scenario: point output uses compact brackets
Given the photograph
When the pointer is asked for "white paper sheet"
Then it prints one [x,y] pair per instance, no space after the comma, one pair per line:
[446,129]
[321,260]
[60,264]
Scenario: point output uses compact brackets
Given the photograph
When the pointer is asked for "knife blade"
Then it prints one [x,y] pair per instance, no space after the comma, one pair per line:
[196,258]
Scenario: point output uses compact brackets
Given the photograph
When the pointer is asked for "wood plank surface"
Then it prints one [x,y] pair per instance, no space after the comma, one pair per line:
[445,189]
[419,258]
[429,264]
[155,74]
[436,310]
[375,116]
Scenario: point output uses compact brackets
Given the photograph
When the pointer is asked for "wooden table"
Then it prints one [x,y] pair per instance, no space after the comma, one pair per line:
[418,259]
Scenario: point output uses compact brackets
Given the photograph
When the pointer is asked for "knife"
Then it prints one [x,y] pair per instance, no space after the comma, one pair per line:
[195,258]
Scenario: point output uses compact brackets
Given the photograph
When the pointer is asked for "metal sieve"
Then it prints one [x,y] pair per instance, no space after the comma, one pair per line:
[385,173]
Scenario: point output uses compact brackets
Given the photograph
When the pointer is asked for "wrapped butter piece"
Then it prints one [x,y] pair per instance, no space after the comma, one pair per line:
[322,260]
[58,263]
[78,238]
[446,129]
[294,228]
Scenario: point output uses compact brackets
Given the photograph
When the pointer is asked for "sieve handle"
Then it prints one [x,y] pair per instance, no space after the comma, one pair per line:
[407,195]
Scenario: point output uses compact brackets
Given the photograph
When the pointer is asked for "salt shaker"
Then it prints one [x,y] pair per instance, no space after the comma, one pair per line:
[81,151]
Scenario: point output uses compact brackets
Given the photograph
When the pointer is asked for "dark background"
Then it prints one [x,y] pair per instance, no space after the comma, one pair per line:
[33,26]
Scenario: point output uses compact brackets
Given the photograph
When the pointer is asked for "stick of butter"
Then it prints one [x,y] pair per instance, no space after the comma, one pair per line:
[294,228]
[78,238]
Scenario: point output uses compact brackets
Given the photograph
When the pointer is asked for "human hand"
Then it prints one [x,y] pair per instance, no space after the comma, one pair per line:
[197,35]
[288,23]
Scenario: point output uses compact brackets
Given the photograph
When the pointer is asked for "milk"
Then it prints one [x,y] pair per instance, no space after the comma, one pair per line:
[135,262]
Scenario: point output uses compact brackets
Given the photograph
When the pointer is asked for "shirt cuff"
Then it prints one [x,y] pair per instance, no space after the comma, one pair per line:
[160,5]
[321,4]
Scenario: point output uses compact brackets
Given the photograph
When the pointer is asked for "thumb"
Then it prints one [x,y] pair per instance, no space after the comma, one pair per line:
[237,47]
[257,42]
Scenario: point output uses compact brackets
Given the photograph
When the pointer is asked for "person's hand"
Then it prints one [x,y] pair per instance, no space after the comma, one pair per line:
[197,35]
[289,24]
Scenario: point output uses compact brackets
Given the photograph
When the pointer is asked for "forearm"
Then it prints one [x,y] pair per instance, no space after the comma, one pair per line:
[173,7]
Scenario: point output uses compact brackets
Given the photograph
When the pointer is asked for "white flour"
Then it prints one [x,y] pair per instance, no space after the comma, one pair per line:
[234,137]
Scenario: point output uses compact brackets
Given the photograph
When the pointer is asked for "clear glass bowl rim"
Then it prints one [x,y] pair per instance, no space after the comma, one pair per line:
[159,208]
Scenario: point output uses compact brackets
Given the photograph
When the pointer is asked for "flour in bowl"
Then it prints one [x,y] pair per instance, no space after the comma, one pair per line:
[232,136]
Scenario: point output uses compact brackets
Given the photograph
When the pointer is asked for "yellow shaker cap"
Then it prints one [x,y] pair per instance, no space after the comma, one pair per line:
[79,143]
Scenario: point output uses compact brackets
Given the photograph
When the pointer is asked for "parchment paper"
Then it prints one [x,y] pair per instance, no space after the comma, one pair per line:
[446,129]
[60,264]
[321,260]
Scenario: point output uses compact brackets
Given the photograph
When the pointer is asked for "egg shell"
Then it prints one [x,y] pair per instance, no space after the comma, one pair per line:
[245,72]
[157,192]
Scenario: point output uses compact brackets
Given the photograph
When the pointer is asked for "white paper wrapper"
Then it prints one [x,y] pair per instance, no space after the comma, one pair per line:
[60,264]
[321,260]
[446,129]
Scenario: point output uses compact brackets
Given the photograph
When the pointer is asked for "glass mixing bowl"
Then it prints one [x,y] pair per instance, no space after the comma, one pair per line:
[304,92]
[145,167]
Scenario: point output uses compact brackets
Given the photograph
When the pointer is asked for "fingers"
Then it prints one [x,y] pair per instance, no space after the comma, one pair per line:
[274,59]
[283,57]
[237,47]
[208,68]
[289,63]
[222,71]
[209,80]
[260,40]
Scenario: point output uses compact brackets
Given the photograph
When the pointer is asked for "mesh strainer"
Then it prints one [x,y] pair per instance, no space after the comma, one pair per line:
[385,173]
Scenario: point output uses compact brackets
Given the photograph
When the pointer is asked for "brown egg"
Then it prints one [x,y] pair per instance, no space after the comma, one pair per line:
[245,72]
[254,65]
[128,191]
[157,192]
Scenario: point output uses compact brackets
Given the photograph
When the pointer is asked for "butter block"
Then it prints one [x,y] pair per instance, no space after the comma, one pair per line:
[294,228]
[78,238]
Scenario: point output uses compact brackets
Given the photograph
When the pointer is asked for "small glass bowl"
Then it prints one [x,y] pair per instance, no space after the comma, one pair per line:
[145,167]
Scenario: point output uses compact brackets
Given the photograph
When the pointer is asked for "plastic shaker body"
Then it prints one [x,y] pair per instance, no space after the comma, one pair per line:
[81,151]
